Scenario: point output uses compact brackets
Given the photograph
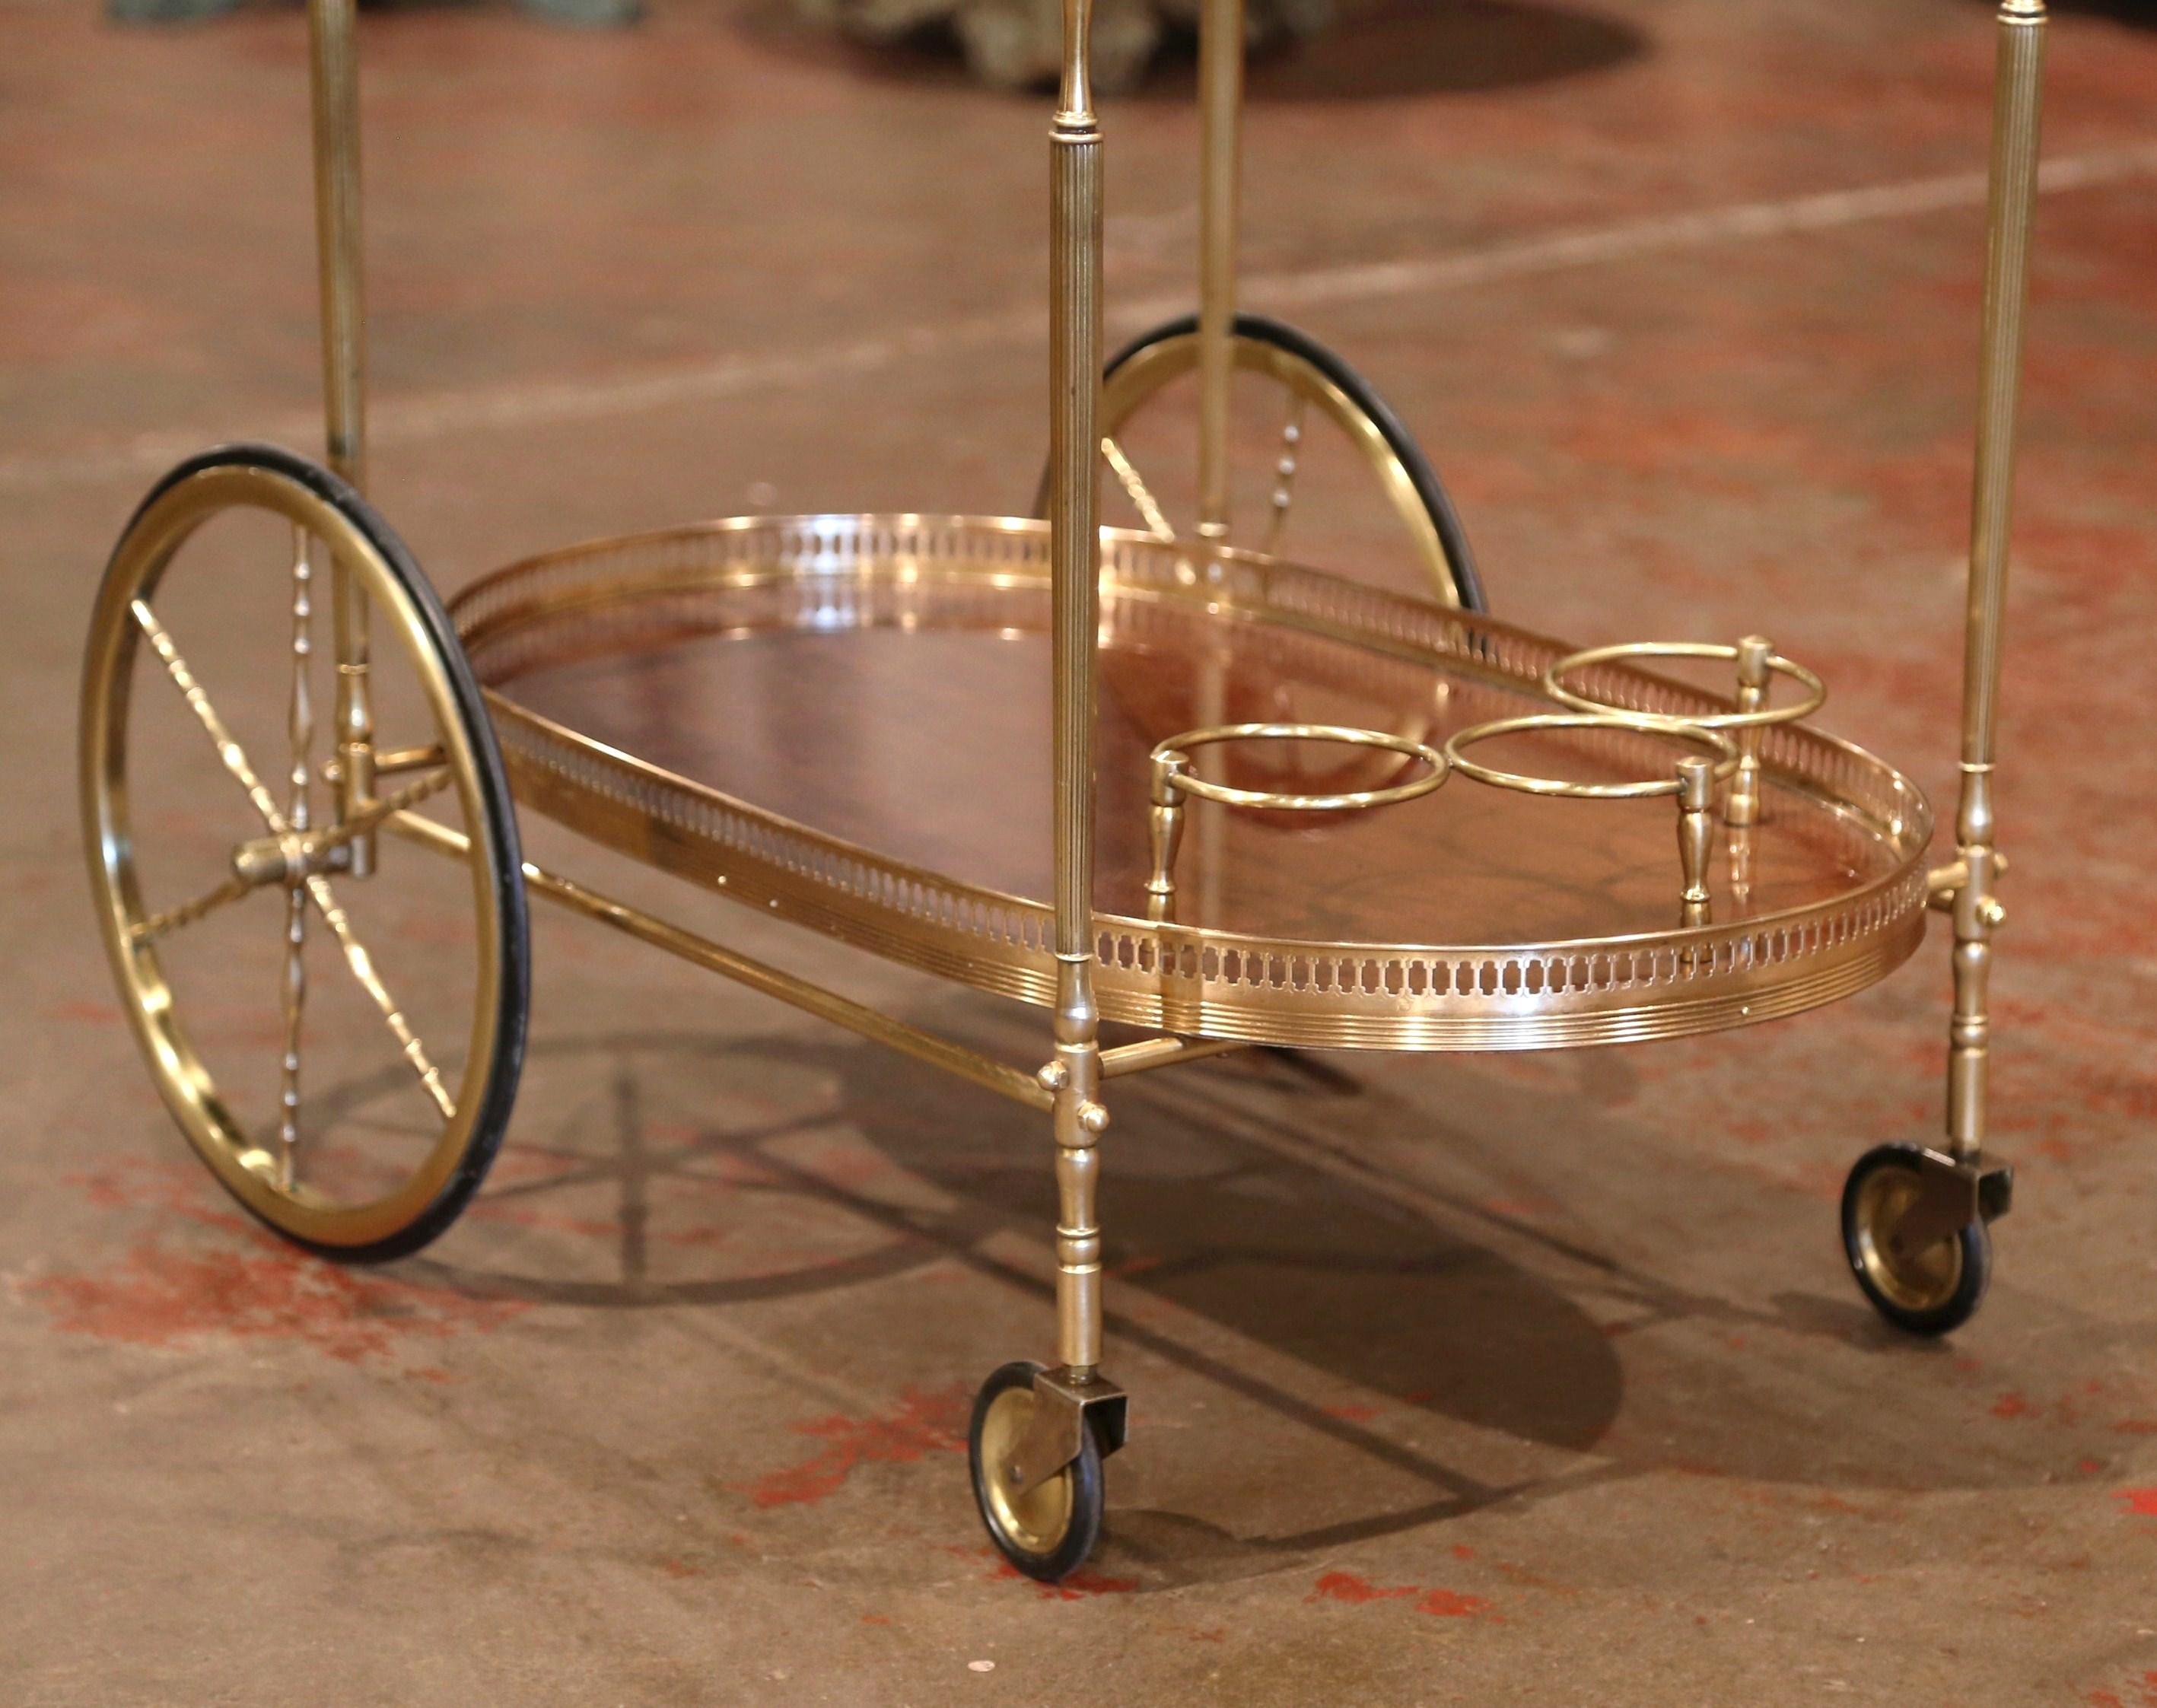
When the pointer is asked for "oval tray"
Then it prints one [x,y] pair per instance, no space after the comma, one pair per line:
[844,720]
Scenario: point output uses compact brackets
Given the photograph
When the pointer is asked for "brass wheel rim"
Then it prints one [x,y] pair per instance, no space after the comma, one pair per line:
[1154,367]
[246,1164]
[1915,1281]
[1036,1521]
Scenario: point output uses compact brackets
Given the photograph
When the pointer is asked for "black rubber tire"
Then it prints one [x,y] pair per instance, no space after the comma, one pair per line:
[514,1002]
[1089,1490]
[1263,330]
[1974,1239]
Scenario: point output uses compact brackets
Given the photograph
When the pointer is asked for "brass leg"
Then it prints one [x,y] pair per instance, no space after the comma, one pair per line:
[1080,1118]
[1221,100]
[1914,1220]
[335,81]
[1074,1076]
[1977,910]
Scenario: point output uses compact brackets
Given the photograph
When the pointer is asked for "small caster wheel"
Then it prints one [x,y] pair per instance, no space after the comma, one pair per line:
[1047,1530]
[1930,1291]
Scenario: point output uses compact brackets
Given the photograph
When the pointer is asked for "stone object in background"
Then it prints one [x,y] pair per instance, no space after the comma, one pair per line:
[1014,44]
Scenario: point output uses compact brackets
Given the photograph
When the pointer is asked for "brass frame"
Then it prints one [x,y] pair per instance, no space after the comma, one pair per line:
[1207,990]
[333,78]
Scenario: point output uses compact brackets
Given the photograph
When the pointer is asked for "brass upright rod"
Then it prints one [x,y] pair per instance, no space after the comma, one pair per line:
[1221,108]
[1977,912]
[334,78]
[1074,1076]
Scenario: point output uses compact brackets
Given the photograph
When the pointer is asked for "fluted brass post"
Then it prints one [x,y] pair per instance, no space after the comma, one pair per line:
[1164,826]
[1696,830]
[1696,805]
[1221,104]
[1074,1076]
[334,78]
[1741,808]
[1977,910]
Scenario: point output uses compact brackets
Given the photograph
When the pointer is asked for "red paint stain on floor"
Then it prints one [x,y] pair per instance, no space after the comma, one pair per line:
[921,1423]
[1347,1586]
[2141,1502]
[1358,1592]
[2012,1405]
[1080,1586]
[1446,1604]
[163,1296]
[174,1295]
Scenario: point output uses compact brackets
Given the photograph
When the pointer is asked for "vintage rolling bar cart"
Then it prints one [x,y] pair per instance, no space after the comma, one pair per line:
[1226,910]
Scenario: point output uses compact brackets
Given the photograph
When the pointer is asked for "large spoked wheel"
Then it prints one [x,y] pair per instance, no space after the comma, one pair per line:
[1047,1530]
[356,1114]
[1287,383]
[1929,1290]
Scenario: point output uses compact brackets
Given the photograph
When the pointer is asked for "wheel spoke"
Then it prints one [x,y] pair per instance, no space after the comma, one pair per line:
[364,969]
[387,806]
[1284,472]
[174,919]
[1157,523]
[308,885]
[299,729]
[234,755]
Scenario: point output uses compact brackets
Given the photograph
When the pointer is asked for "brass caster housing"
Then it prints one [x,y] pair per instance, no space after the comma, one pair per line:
[1914,1228]
[1035,1447]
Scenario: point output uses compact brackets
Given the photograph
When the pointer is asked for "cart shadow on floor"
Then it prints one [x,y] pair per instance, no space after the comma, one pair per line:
[1370,1312]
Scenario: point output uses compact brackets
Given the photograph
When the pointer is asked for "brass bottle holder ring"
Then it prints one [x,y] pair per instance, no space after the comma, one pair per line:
[1693,781]
[1758,662]
[1724,764]
[1173,778]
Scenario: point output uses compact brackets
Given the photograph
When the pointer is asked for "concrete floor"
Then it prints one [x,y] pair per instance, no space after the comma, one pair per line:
[1532,1378]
